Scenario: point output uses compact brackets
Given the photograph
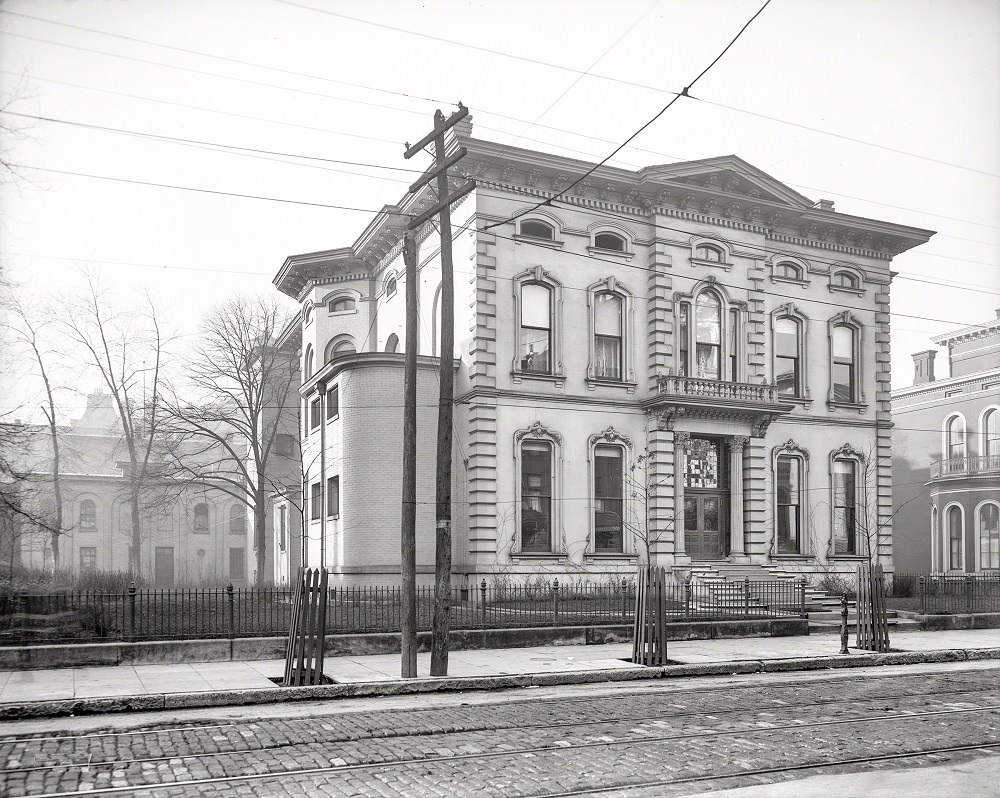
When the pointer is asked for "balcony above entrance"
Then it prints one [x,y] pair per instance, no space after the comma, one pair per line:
[965,466]
[697,397]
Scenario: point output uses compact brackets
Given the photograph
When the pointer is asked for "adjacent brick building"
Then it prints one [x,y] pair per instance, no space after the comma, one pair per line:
[688,363]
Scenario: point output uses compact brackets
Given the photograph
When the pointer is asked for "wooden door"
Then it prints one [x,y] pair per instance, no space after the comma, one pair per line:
[705,526]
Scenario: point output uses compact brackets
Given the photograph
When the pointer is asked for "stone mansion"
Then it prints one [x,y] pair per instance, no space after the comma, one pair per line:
[684,364]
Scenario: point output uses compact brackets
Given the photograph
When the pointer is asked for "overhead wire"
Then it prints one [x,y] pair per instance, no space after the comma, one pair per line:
[643,127]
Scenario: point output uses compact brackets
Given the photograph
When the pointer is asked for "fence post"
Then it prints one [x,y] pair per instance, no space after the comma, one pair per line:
[555,602]
[232,625]
[624,600]
[746,596]
[687,597]
[482,595]
[922,584]
[131,611]
[802,597]
[843,625]
[970,586]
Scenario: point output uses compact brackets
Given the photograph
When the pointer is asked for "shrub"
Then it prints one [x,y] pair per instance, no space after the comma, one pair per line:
[838,584]
[903,585]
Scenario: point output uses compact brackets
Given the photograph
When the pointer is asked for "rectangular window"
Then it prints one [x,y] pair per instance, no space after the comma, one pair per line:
[333,497]
[333,402]
[238,563]
[316,501]
[843,365]
[609,499]
[844,507]
[283,445]
[88,558]
[305,420]
[682,339]
[282,526]
[786,357]
[536,328]
[536,496]
[314,413]
[88,516]
[788,490]
[608,336]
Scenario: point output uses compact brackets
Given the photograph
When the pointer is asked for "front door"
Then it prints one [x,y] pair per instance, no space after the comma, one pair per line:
[705,526]
[163,573]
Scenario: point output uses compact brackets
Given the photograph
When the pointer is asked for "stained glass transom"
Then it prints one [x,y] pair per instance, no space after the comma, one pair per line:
[701,464]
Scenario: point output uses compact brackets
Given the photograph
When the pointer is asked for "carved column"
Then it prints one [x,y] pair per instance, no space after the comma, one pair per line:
[681,440]
[736,444]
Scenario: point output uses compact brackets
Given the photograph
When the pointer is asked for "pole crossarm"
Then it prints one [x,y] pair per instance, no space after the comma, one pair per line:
[443,205]
[440,128]
[429,175]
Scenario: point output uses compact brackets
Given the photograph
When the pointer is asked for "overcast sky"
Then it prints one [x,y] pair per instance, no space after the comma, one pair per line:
[320,82]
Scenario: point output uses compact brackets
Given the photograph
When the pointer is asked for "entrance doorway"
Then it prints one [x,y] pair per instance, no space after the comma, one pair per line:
[706,499]
[163,572]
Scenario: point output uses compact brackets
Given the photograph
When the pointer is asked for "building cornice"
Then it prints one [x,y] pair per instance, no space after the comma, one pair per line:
[971,333]
[945,384]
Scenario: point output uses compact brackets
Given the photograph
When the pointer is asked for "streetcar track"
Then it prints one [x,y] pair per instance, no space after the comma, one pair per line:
[767,771]
[640,689]
[643,740]
[469,729]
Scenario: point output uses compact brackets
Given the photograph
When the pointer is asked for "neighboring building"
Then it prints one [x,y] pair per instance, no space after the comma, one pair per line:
[191,535]
[688,363]
[946,457]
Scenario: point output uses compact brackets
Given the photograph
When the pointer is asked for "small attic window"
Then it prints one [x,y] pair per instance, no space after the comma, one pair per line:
[611,241]
[709,253]
[390,287]
[788,271]
[845,280]
[341,305]
[538,229]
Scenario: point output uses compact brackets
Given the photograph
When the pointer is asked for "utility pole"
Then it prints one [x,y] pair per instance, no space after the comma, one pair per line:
[408,528]
[442,549]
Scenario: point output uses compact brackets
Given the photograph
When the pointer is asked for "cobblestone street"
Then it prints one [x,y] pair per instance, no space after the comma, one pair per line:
[653,739]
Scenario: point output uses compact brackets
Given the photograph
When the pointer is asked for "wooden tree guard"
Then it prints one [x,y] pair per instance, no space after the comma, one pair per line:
[307,631]
[649,632]
[873,624]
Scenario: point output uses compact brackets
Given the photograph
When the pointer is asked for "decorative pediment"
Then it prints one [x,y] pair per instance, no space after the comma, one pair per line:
[791,447]
[539,431]
[848,451]
[611,435]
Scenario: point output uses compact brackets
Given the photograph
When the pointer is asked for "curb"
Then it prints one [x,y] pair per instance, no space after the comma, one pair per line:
[163,701]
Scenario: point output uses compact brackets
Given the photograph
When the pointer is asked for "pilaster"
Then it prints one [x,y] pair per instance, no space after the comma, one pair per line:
[659,314]
[757,541]
[756,342]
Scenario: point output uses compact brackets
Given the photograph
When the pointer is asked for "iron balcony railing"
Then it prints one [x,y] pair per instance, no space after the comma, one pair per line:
[965,466]
[146,614]
[701,388]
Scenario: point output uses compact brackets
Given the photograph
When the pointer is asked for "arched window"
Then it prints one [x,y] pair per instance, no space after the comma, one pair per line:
[392,343]
[710,253]
[786,270]
[954,438]
[536,496]
[609,498]
[307,367]
[237,519]
[936,545]
[955,522]
[535,338]
[538,229]
[390,287]
[990,426]
[788,504]
[845,280]
[88,516]
[339,347]
[307,312]
[610,241]
[608,336]
[201,517]
[787,348]
[988,521]
[708,336]
[342,304]
[844,364]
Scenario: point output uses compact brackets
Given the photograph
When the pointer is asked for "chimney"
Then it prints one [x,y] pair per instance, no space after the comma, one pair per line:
[824,205]
[923,367]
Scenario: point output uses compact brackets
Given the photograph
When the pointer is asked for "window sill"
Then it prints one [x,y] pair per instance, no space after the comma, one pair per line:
[537,556]
[333,517]
[848,557]
[839,289]
[612,253]
[860,407]
[724,265]
[793,557]
[595,382]
[541,242]
[333,418]
[557,379]
[351,312]
[802,401]
[607,556]
[790,281]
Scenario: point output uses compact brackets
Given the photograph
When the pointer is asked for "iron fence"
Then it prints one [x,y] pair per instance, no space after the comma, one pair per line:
[958,593]
[151,614]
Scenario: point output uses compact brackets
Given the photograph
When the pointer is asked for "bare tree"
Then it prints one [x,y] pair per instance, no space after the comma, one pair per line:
[244,389]
[642,485]
[128,350]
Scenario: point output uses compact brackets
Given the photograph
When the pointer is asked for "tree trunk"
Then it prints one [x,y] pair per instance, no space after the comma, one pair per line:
[135,560]
[260,534]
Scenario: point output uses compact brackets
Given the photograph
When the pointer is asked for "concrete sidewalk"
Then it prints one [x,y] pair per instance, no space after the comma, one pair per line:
[63,691]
